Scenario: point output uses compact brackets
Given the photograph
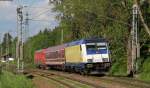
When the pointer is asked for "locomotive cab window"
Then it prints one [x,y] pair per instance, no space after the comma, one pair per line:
[96,48]
[90,47]
[101,47]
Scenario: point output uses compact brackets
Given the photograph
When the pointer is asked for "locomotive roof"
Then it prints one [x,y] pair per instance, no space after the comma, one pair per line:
[84,41]
[41,50]
[78,42]
[38,50]
[55,48]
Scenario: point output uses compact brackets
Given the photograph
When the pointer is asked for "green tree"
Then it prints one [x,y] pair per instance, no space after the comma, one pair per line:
[111,19]
[6,44]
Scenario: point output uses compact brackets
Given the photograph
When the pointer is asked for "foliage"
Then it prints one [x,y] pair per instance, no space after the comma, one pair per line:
[37,42]
[7,42]
[9,80]
[145,73]
[101,18]
[110,19]
[119,68]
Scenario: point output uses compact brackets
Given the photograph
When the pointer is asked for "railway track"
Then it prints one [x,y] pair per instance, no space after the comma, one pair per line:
[95,81]
[124,81]
[130,82]
[58,81]
[69,82]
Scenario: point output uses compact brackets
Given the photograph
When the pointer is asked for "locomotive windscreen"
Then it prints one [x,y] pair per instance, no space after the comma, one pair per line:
[96,48]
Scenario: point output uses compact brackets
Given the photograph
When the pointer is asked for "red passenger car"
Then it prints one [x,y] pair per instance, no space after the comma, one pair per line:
[55,55]
[39,57]
[52,56]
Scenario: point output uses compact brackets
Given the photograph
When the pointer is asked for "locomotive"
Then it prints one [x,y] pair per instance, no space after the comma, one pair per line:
[85,56]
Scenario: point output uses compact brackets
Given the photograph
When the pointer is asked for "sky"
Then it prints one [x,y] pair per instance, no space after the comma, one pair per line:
[40,11]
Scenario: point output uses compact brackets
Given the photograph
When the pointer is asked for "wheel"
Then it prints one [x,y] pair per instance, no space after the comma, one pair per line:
[39,67]
[84,72]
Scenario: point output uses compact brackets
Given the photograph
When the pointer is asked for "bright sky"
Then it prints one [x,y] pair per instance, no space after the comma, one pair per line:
[38,10]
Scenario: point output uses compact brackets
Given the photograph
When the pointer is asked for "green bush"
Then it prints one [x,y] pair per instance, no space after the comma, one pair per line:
[119,68]
[9,80]
[145,74]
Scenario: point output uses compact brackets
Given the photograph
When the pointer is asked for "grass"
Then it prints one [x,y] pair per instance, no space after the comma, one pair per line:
[9,80]
[145,74]
[119,68]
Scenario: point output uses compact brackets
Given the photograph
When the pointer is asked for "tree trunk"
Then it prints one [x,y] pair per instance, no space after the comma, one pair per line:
[142,18]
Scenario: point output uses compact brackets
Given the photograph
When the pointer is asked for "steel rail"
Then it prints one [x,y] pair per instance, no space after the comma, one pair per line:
[47,74]
[58,81]
[127,81]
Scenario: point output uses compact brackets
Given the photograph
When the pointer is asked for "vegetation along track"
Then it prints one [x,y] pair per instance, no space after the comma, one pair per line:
[94,81]
[69,82]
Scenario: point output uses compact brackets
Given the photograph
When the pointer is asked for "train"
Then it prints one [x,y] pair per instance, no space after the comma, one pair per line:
[85,56]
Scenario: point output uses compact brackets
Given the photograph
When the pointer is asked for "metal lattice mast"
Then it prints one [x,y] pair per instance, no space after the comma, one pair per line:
[135,38]
[19,46]
[7,50]
[17,43]
[1,44]
[26,25]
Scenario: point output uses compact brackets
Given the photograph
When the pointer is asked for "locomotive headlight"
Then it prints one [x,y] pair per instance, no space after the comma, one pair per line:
[105,59]
[89,65]
[90,60]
